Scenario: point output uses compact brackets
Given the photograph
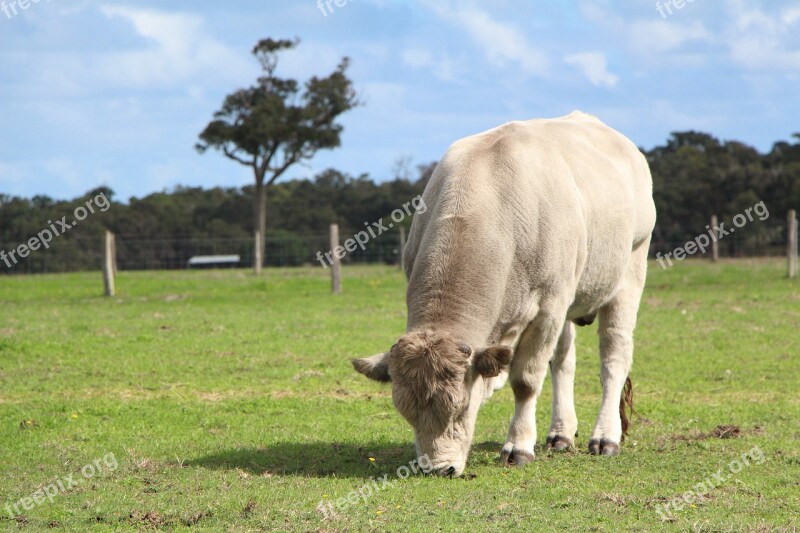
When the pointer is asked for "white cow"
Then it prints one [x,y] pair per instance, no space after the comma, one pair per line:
[529,227]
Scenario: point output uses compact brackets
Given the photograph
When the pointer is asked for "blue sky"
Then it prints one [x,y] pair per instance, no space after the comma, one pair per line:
[114,93]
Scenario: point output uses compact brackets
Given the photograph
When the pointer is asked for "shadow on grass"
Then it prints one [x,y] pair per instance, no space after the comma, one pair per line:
[315,459]
[318,459]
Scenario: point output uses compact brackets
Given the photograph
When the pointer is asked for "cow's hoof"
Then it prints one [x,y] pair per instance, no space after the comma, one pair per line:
[603,447]
[559,443]
[516,457]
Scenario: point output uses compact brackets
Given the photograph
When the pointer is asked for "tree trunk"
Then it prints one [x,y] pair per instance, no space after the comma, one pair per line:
[261,224]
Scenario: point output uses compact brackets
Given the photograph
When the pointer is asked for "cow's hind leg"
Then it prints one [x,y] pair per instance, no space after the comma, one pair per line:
[617,321]
[564,423]
[527,372]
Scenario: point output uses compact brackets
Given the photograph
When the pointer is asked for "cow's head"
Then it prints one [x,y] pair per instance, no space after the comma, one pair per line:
[438,385]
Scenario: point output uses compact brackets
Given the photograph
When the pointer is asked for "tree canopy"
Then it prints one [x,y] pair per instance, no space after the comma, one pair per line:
[273,125]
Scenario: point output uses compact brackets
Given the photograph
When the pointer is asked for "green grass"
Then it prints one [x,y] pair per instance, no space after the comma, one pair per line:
[229,403]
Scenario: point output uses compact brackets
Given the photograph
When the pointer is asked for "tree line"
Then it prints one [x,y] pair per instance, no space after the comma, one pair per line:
[694,176]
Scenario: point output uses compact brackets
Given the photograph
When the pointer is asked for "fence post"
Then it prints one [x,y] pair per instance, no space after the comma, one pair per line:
[109,260]
[714,239]
[258,251]
[336,274]
[402,248]
[791,244]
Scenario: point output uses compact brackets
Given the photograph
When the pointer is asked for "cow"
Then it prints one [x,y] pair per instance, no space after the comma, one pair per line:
[530,228]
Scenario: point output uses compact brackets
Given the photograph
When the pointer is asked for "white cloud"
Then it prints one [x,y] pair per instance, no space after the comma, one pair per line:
[650,40]
[759,41]
[660,36]
[791,15]
[442,66]
[594,67]
[501,43]
[599,13]
[176,48]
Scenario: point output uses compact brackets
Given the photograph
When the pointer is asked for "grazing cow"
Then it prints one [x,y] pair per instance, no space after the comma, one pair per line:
[530,227]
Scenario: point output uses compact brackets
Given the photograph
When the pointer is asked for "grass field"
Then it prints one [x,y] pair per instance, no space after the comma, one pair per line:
[214,400]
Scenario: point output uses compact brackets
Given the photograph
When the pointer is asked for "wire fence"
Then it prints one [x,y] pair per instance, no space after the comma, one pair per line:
[86,253]
[76,252]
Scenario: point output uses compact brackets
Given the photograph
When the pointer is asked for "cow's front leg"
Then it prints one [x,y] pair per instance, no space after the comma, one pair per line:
[527,372]
[564,424]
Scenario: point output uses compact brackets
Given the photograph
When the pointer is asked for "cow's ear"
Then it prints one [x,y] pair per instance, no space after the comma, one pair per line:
[491,360]
[375,367]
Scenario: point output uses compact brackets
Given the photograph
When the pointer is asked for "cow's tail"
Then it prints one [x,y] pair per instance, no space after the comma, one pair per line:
[626,405]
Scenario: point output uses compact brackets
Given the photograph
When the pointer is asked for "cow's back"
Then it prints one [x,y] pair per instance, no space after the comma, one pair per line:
[523,210]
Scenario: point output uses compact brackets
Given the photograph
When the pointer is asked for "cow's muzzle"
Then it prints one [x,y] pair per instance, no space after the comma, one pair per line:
[446,471]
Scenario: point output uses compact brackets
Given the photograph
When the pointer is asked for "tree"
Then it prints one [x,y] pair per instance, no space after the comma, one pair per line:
[271,126]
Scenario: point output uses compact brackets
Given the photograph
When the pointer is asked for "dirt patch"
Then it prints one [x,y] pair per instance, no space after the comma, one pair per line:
[616,499]
[196,518]
[150,518]
[338,394]
[727,432]
[214,397]
[154,519]
[724,431]
[142,464]
[249,508]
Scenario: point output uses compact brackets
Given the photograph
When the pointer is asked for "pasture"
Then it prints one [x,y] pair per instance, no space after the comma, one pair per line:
[229,403]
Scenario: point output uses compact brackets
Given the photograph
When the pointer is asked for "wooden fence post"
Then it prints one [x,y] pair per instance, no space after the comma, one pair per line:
[336,274]
[402,248]
[791,243]
[714,239]
[109,260]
